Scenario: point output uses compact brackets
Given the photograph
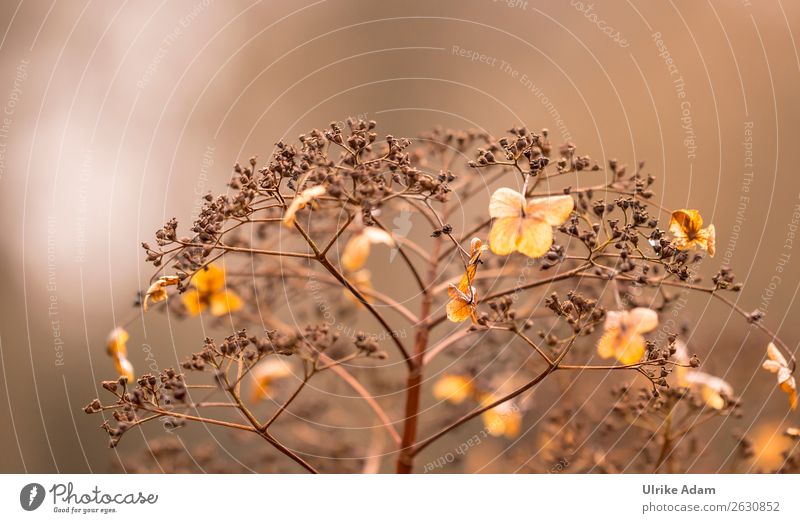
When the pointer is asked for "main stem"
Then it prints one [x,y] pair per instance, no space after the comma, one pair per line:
[405,461]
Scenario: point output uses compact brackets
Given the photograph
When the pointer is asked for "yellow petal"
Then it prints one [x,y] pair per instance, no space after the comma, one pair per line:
[712,398]
[225,302]
[493,423]
[210,279]
[377,235]
[503,420]
[116,342]
[361,280]
[774,354]
[641,319]
[553,210]
[713,390]
[535,238]
[476,248]
[453,388]
[630,349]
[506,203]
[790,387]
[300,201]
[458,310]
[686,222]
[504,235]
[356,252]
[264,375]
[261,390]
[124,368]
[193,302]
[607,344]
[157,291]
[709,239]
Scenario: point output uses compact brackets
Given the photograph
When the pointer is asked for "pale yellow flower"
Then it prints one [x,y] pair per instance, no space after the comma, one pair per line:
[686,225]
[777,363]
[265,374]
[525,226]
[623,334]
[357,250]
[503,420]
[713,390]
[210,291]
[158,290]
[300,201]
[453,388]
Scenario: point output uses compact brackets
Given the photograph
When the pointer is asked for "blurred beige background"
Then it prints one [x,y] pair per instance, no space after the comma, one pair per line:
[118,115]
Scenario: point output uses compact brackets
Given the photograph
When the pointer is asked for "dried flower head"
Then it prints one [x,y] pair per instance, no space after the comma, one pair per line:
[623,334]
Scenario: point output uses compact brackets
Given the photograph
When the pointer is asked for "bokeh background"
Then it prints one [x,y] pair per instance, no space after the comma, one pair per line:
[118,115]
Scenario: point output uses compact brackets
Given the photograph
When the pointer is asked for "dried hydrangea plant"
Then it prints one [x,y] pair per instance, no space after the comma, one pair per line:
[509,256]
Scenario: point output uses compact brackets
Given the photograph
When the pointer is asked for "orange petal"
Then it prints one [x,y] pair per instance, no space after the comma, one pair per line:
[553,210]
[356,252]
[459,310]
[300,201]
[630,349]
[688,221]
[157,291]
[641,319]
[774,354]
[377,235]
[709,237]
[506,203]
[713,390]
[712,398]
[790,387]
[361,280]
[265,373]
[124,368]
[503,420]
[535,238]
[116,342]
[453,388]
[209,279]
[225,302]
[607,344]
[193,302]
[504,235]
